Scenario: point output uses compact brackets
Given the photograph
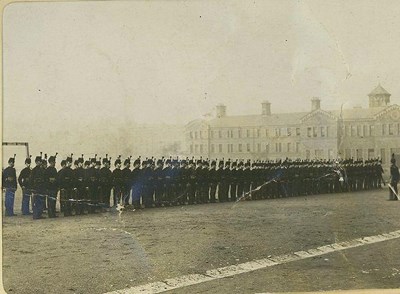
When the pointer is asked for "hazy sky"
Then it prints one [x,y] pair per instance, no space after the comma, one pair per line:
[68,66]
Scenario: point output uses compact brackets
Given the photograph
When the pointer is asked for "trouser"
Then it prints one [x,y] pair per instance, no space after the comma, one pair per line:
[104,196]
[392,195]
[117,195]
[65,195]
[204,192]
[136,194]
[191,192]
[213,190]
[223,190]
[183,194]
[38,201]
[26,198]
[126,195]
[240,189]
[9,202]
[147,195]
[92,196]
[233,191]
[51,203]
[79,206]
[158,194]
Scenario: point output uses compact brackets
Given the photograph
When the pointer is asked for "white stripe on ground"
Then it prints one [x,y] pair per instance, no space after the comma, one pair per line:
[232,270]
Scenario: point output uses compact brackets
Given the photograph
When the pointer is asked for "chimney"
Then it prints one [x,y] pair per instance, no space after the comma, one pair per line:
[221,110]
[265,108]
[315,103]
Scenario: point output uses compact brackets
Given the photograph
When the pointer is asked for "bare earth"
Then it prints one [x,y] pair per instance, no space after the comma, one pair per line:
[105,252]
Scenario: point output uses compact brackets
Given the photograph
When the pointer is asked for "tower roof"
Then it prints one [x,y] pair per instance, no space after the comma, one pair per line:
[379,90]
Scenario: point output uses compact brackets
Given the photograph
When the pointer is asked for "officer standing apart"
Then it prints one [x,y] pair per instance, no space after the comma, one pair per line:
[394,178]
[10,186]
[23,181]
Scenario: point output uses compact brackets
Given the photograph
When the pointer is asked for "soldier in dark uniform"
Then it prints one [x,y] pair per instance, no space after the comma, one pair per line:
[233,177]
[136,183]
[394,178]
[213,181]
[78,182]
[240,179]
[92,185]
[168,188]
[224,173]
[117,181]
[38,187]
[10,185]
[158,183]
[23,181]
[64,178]
[247,180]
[191,182]
[127,177]
[147,188]
[105,180]
[51,186]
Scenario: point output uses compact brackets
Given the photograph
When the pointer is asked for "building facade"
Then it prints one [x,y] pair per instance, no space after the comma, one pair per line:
[359,133]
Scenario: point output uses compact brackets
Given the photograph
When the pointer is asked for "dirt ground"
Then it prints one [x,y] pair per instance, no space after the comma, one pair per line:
[107,251]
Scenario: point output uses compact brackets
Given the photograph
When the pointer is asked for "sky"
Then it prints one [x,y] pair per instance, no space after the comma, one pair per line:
[76,67]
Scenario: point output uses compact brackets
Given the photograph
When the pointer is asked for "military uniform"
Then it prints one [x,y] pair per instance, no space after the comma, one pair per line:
[23,181]
[10,185]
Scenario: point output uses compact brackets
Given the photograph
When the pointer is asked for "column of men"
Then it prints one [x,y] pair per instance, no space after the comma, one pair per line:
[87,186]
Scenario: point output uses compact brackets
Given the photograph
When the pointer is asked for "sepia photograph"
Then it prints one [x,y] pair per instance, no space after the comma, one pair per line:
[244,146]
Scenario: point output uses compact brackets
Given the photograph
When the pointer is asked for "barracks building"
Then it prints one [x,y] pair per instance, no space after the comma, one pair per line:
[319,134]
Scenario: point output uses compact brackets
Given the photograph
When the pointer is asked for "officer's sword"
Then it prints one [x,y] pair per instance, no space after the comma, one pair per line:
[394,192]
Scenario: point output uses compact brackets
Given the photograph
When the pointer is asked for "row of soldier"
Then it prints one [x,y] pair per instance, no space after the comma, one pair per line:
[87,186]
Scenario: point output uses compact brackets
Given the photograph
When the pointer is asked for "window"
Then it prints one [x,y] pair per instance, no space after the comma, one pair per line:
[191,135]
[391,132]
[267,148]
[288,146]
[371,130]
[276,147]
[383,155]
[195,135]
[383,129]
[358,131]
[212,148]
[220,134]
[322,131]
[258,133]
[248,148]
[309,132]
[212,135]
[201,148]
[258,147]
[229,147]
[289,131]
[239,133]
[297,131]
[314,131]
[297,146]
[277,132]
[220,148]
[359,153]
[247,133]
[231,131]
[371,153]
[353,131]
[240,148]
[327,131]
[365,130]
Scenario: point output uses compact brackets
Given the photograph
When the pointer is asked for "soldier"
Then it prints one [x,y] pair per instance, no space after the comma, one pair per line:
[117,181]
[51,186]
[240,179]
[233,177]
[78,183]
[10,185]
[213,181]
[168,188]
[136,183]
[23,181]
[127,178]
[92,185]
[37,179]
[105,181]
[394,178]
[247,180]
[64,178]
[224,173]
[191,182]
[147,176]
[159,184]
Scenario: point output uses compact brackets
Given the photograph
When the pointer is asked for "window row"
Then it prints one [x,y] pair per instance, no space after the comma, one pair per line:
[230,148]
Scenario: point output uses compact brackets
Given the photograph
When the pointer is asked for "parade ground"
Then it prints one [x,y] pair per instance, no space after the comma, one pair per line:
[309,243]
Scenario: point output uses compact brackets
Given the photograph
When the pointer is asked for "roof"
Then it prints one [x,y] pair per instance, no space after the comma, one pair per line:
[379,90]
[287,119]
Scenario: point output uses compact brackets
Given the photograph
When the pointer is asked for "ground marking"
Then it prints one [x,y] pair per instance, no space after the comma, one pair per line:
[232,270]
